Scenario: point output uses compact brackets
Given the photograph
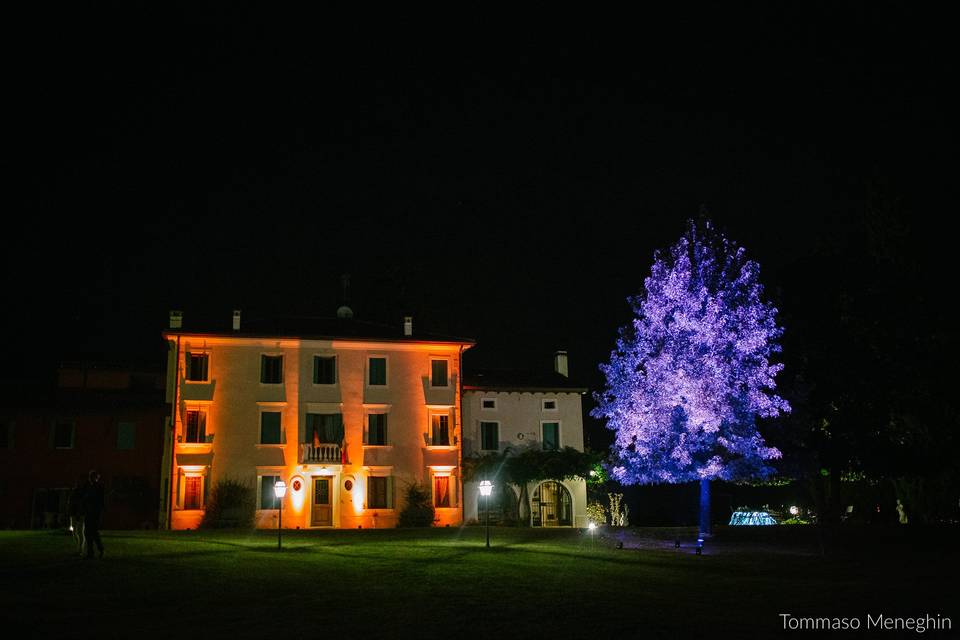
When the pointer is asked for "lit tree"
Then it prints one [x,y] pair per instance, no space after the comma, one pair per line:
[692,372]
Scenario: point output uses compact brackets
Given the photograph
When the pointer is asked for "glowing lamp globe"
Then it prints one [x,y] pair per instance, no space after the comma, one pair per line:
[592,526]
[485,488]
[794,511]
[280,488]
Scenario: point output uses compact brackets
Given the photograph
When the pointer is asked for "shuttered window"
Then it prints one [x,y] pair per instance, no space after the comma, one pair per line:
[489,436]
[126,435]
[197,367]
[551,436]
[438,373]
[378,372]
[196,427]
[379,492]
[377,429]
[268,496]
[440,430]
[270,428]
[325,370]
[271,369]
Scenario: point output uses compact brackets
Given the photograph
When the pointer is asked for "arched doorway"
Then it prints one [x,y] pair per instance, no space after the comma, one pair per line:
[552,505]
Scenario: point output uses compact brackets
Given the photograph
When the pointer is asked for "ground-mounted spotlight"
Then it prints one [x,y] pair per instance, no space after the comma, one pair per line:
[676,543]
[699,546]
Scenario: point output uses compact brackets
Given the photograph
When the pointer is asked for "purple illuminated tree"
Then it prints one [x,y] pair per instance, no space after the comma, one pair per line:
[692,373]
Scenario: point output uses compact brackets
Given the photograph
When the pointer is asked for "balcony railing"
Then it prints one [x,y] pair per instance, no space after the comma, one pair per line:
[323,453]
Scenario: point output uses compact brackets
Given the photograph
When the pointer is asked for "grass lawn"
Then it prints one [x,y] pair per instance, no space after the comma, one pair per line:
[444,583]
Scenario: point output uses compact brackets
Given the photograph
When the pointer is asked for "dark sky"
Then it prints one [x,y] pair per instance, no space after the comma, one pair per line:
[500,179]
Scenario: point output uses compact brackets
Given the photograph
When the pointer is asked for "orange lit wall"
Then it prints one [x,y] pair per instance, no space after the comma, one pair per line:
[234,397]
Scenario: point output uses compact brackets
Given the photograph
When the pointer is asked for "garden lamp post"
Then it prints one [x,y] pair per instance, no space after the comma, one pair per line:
[280,488]
[485,488]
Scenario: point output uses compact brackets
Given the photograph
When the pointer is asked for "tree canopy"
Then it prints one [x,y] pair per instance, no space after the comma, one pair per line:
[693,371]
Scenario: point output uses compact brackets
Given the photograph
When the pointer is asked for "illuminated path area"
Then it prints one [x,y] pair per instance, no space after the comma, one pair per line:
[444,583]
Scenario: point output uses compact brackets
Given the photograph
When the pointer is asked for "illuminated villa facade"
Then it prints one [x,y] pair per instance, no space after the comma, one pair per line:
[514,409]
[346,413]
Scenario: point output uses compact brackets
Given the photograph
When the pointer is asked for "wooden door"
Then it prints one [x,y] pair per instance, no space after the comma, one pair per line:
[322,502]
[191,492]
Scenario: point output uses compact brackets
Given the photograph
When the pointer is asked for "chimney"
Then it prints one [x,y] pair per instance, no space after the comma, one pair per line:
[236,319]
[560,364]
[176,319]
[408,326]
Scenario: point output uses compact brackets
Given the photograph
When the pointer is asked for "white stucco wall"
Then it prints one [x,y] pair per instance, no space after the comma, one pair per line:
[520,415]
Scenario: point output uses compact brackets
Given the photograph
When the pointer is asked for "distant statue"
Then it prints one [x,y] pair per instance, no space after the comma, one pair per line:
[901,512]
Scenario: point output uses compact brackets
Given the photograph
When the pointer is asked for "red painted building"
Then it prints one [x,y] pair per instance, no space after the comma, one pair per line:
[94,417]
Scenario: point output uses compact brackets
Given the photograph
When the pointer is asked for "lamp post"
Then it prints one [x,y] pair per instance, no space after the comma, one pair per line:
[592,527]
[485,488]
[280,488]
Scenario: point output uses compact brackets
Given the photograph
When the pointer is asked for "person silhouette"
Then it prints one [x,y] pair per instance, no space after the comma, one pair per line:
[92,514]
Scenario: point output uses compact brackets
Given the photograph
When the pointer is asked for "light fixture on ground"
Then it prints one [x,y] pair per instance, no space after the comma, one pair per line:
[486,488]
[592,527]
[280,488]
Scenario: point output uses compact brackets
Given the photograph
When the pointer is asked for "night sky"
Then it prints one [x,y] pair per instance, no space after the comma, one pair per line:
[502,179]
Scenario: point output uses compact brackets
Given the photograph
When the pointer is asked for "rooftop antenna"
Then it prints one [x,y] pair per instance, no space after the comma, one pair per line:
[345,312]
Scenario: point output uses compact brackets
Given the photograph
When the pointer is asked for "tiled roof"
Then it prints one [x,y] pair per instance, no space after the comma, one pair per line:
[317,329]
[515,380]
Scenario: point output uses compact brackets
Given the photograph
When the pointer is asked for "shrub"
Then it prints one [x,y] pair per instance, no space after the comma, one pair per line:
[232,504]
[597,513]
[418,511]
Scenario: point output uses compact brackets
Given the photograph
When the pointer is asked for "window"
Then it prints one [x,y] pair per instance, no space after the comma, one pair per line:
[126,435]
[270,432]
[378,372]
[268,497]
[379,492]
[271,369]
[440,429]
[488,403]
[197,367]
[438,373]
[196,426]
[192,492]
[551,436]
[550,405]
[6,435]
[63,435]
[324,428]
[489,436]
[324,370]
[377,429]
[441,491]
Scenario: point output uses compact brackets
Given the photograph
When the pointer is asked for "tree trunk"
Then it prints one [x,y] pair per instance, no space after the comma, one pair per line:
[705,528]
[523,515]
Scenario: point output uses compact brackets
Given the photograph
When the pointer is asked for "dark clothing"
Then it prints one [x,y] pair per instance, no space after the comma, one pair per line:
[75,503]
[92,507]
[91,504]
[91,534]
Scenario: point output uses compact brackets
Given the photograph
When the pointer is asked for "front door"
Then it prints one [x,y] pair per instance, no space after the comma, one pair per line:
[548,504]
[322,505]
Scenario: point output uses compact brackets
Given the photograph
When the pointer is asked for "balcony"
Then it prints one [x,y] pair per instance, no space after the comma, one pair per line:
[322,453]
